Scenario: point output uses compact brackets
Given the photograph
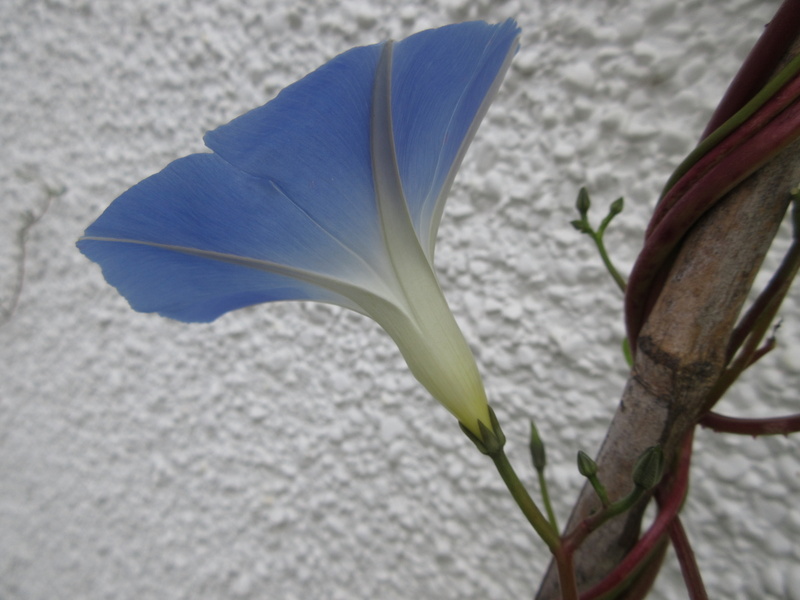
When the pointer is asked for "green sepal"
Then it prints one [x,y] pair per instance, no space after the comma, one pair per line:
[582,226]
[474,439]
[496,429]
[492,440]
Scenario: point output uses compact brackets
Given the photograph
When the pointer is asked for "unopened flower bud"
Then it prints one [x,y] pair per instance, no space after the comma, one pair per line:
[649,468]
[586,466]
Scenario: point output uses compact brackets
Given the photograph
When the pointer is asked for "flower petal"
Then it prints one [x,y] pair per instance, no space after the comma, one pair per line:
[201,238]
[313,141]
[289,192]
[443,81]
[187,288]
[420,322]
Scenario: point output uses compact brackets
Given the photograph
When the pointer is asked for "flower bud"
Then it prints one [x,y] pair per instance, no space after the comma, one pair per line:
[649,468]
[586,466]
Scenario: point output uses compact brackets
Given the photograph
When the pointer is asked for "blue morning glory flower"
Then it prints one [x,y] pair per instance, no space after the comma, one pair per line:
[331,192]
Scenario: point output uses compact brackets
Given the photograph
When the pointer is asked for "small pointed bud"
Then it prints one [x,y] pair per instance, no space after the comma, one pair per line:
[616,207]
[649,468]
[538,454]
[583,203]
[586,466]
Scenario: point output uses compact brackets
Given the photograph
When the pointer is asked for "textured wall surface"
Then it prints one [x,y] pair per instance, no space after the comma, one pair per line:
[284,451]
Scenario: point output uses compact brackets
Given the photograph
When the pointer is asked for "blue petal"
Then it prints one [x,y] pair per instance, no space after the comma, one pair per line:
[443,81]
[155,241]
[193,288]
[286,207]
[313,140]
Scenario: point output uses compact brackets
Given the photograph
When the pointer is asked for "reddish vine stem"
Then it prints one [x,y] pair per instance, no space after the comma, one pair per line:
[674,493]
[741,155]
[774,116]
[750,144]
[689,568]
[761,116]
[766,305]
[755,427]
[762,60]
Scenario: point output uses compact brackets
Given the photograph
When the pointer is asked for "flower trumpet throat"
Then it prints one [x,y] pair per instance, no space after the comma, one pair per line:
[426,332]
[331,192]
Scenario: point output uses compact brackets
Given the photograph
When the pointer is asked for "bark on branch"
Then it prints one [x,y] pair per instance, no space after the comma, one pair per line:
[681,350]
[682,343]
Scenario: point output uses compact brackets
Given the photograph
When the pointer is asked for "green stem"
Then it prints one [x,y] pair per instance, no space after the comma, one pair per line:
[551,516]
[593,522]
[600,490]
[491,443]
[535,517]
[565,563]
[601,248]
[546,531]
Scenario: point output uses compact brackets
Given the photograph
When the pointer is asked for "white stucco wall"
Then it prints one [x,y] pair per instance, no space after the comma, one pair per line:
[284,451]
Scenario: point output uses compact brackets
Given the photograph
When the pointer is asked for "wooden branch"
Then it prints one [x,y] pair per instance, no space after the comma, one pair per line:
[681,322]
[681,350]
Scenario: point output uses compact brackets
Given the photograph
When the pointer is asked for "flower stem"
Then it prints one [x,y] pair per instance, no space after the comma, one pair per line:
[745,112]
[670,503]
[551,516]
[535,517]
[490,443]
[686,559]
[769,426]
[612,270]
[546,531]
